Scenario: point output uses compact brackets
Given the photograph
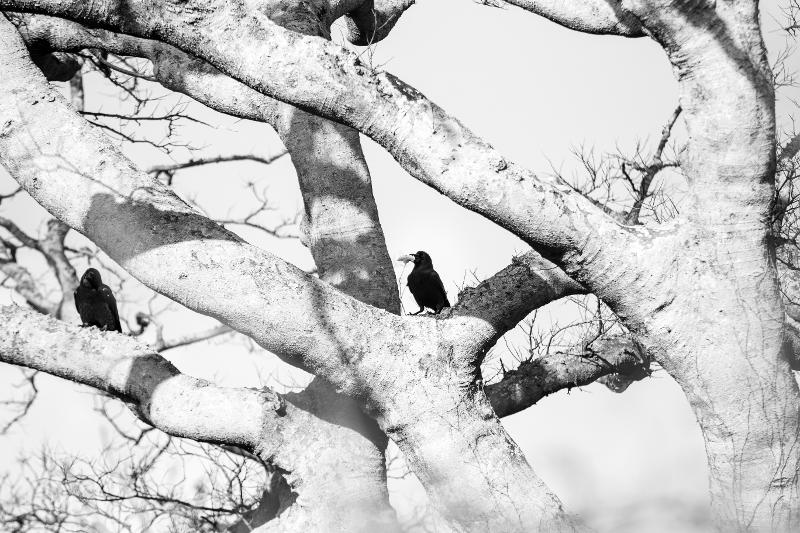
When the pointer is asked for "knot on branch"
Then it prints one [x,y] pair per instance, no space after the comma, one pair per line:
[270,439]
[372,21]
[627,363]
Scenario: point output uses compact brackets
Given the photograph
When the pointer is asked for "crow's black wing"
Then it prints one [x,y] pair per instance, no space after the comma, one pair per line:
[111,302]
[437,282]
[84,306]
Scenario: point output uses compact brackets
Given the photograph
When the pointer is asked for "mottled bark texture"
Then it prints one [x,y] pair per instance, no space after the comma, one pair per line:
[125,368]
[699,294]
[292,432]
[342,231]
[78,175]
[720,331]
[535,379]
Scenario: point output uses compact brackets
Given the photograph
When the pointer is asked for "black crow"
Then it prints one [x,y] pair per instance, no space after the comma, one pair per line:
[96,303]
[425,284]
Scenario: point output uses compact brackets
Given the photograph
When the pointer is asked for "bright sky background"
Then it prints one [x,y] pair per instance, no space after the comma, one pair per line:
[629,462]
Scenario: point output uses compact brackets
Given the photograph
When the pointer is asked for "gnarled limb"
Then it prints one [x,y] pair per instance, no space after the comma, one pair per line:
[161,241]
[155,236]
[328,158]
[486,312]
[275,427]
[537,378]
[123,367]
[718,329]
[331,166]
[427,142]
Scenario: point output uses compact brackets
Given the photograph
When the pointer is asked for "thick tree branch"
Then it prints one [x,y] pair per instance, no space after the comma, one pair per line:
[340,225]
[199,80]
[276,428]
[535,379]
[727,101]
[117,364]
[430,144]
[590,16]
[333,174]
[484,313]
[77,174]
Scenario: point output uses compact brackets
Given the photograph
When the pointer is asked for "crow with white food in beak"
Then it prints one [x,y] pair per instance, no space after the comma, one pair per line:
[96,303]
[425,284]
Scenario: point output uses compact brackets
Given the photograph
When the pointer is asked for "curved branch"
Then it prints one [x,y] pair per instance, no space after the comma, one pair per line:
[380,359]
[117,364]
[486,312]
[533,380]
[79,176]
[316,75]
[330,165]
[20,235]
[285,430]
[589,16]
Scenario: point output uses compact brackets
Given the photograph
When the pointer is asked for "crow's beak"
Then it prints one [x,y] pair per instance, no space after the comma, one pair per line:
[406,258]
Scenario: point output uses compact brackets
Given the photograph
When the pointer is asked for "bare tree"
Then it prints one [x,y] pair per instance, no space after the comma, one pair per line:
[696,291]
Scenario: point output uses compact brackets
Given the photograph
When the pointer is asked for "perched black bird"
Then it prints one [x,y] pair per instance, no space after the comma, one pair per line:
[96,303]
[425,284]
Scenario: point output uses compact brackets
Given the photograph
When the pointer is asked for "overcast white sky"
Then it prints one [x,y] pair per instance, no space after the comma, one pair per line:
[629,462]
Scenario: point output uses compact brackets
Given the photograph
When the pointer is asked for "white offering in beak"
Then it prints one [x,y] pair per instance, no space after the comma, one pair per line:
[406,258]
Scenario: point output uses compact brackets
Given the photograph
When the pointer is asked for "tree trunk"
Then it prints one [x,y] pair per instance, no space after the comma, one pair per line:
[720,339]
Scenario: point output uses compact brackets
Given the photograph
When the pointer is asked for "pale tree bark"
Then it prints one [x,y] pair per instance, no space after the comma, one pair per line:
[720,336]
[274,427]
[108,196]
[342,231]
[699,295]
[351,473]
